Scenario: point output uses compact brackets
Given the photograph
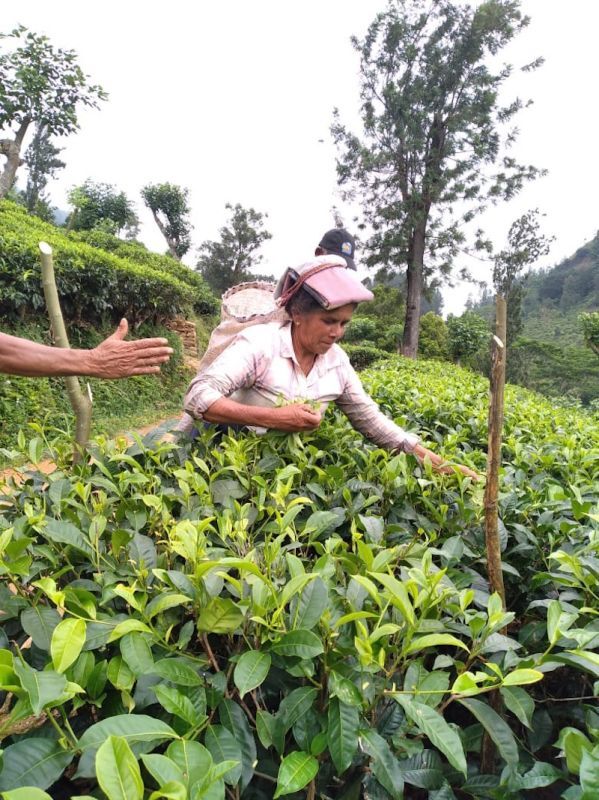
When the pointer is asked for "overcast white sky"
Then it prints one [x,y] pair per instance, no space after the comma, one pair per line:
[232,98]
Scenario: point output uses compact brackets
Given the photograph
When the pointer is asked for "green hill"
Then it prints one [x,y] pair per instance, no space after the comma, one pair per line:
[550,355]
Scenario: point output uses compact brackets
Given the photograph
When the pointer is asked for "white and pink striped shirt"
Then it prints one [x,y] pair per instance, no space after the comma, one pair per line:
[260,367]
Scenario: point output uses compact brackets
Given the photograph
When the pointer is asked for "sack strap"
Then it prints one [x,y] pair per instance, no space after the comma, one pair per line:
[287,294]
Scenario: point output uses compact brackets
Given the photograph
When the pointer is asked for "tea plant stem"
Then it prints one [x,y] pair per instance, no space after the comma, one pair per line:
[265,776]
[61,734]
[567,699]
[209,653]
[67,724]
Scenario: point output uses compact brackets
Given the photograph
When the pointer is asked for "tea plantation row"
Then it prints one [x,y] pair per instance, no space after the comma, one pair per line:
[307,616]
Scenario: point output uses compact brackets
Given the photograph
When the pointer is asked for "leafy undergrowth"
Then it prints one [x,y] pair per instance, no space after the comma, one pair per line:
[307,616]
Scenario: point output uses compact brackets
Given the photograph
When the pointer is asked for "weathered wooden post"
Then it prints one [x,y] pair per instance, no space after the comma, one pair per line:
[81,403]
[493,544]
[497,387]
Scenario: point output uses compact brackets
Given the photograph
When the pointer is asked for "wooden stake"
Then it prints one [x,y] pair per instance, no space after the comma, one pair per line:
[494,451]
[494,571]
[80,402]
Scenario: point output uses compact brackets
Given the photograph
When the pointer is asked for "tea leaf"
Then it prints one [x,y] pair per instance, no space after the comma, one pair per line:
[432,724]
[251,670]
[33,762]
[300,643]
[117,770]
[42,688]
[496,727]
[296,771]
[68,639]
[384,765]
[342,733]
[220,616]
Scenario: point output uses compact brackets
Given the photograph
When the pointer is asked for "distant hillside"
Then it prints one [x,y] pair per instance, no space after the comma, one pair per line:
[551,356]
[555,297]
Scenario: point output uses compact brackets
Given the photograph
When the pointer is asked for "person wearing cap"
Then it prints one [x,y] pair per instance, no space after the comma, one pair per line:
[112,358]
[338,242]
[301,362]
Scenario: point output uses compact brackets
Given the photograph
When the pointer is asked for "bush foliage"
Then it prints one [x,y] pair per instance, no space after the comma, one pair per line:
[136,252]
[270,616]
[94,285]
[364,355]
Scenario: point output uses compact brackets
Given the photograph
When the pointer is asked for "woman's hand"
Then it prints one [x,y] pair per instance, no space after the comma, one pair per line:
[469,473]
[440,465]
[292,418]
[295,417]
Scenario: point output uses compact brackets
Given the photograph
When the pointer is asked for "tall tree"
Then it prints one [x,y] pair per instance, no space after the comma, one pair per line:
[170,209]
[39,85]
[525,245]
[100,205]
[432,134]
[231,260]
[41,159]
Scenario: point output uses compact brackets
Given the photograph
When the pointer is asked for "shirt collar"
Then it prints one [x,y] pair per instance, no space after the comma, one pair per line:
[322,364]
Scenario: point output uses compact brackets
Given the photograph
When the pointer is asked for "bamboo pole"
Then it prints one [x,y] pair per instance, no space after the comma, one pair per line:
[81,403]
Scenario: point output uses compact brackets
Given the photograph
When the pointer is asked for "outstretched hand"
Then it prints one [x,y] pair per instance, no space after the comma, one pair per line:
[440,465]
[469,473]
[116,358]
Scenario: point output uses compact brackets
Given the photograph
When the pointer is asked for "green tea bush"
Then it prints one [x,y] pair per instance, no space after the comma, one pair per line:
[363,355]
[307,616]
[360,329]
[204,304]
[434,338]
[94,286]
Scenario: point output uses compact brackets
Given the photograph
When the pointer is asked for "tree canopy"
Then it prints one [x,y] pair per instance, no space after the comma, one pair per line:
[170,208]
[39,84]
[100,205]
[432,133]
[589,322]
[230,260]
[42,161]
[467,334]
[525,245]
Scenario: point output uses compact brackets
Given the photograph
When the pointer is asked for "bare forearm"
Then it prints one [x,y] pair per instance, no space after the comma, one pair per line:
[226,411]
[112,358]
[34,360]
[294,417]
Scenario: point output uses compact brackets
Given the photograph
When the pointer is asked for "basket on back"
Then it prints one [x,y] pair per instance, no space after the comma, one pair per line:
[246,304]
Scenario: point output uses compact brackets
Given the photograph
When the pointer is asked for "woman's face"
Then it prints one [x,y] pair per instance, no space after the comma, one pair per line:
[318,331]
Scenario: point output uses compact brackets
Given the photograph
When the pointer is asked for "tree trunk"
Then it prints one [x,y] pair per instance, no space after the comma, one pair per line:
[80,403]
[411,331]
[11,148]
[170,243]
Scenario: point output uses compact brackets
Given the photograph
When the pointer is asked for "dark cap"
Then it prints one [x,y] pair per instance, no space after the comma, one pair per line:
[341,243]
